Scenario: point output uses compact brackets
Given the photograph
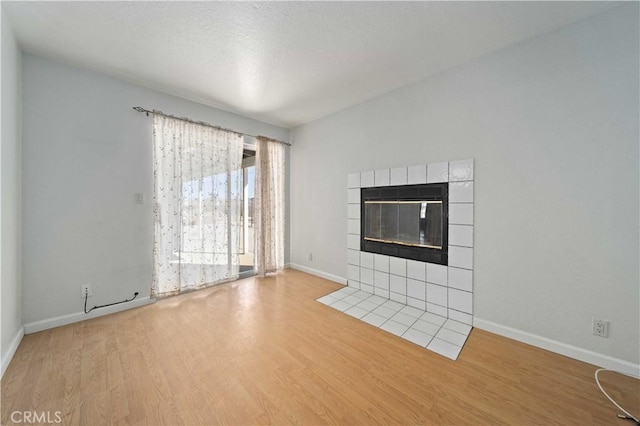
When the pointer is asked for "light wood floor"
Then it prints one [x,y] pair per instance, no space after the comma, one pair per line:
[263,351]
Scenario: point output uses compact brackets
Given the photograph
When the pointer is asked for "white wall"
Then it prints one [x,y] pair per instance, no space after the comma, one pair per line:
[552,124]
[10,170]
[86,153]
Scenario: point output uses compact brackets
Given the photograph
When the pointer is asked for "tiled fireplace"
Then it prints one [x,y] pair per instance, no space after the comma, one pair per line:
[440,295]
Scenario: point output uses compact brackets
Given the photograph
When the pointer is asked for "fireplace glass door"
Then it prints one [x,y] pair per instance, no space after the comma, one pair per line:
[409,223]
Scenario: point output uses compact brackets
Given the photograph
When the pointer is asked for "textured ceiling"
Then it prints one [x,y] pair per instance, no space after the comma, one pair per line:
[286,63]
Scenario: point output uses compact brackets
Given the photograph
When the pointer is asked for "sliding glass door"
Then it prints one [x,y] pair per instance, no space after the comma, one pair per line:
[247,235]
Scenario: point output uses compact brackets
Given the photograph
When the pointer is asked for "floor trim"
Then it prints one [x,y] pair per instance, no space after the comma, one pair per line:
[318,273]
[13,347]
[570,351]
[46,324]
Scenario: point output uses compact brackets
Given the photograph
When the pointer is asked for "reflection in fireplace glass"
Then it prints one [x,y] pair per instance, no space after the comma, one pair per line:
[412,223]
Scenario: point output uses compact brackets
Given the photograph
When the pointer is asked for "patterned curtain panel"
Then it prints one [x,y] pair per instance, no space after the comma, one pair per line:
[269,206]
[197,193]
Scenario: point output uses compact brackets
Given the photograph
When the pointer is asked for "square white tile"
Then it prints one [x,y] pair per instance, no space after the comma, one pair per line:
[374,319]
[344,292]
[414,312]
[398,176]
[382,177]
[461,300]
[353,242]
[381,280]
[460,214]
[353,226]
[437,172]
[353,211]
[461,192]
[433,318]
[437,294]
[461,170]
[341,305]
[462,279]
[425,327]
[394,327]
[404,319]
[366,260]
[461,257]
[353,196]
[461,317]
[436,274]
[356,312]
[416,303]
[367,179]
[383,311]
[327,300]
[361,295]
[445,349]
[367,305]
[417,337]
[451,336]
[353,257]
[366,287]
[401,298]
[381,262]
[352,299]
[416,270]
[461,235]
[398,284]
[381,292]
[354,284]
[353,180]
[393,305]
[398,266]
[366,276]
[457,326]
[377,299]
[353,272]
[416,289]
[436,309]
[416,175]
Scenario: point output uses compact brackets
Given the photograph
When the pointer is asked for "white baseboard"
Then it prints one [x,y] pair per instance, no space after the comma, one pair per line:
[320,274]
[13,347]
[603,361]
[46,324]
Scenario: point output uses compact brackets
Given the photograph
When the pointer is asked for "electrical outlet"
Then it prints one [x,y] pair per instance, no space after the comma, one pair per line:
[139,198]
[310,256]
[600,327]
[86,290]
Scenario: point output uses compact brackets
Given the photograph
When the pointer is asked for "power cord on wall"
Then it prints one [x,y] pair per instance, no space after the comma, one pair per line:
[86,296]
[626,415]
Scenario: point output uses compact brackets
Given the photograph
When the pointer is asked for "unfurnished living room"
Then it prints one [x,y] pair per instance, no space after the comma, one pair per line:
[348,213]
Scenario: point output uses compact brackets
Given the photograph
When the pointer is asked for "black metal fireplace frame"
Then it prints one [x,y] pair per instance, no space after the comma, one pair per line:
[424,192]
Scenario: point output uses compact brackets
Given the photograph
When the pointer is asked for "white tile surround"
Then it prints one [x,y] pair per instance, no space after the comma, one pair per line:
[446,291]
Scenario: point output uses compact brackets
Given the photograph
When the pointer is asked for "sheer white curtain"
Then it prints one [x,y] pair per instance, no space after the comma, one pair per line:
[197,192]
[269,206]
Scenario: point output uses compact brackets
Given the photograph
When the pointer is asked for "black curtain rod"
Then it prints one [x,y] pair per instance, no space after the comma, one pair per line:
[202,123]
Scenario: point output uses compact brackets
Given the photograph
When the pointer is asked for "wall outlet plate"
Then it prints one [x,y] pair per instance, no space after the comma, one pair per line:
[600,327]
[84,289]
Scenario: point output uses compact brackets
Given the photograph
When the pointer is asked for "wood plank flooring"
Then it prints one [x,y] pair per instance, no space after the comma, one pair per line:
[262,351]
